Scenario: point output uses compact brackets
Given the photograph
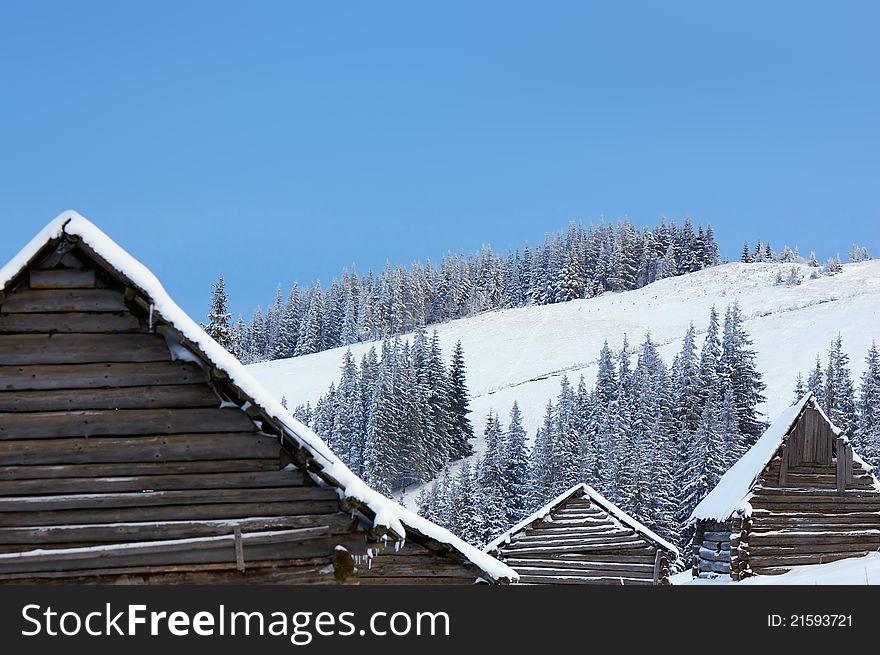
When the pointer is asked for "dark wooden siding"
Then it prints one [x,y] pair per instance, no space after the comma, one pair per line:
[583,544]
[415,564]
[107,442]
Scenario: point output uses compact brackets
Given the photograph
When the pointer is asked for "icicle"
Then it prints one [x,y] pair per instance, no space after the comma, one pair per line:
[151,316]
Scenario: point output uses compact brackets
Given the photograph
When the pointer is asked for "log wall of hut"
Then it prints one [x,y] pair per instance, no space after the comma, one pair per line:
[814,503]
[121,464]
[711,548]
[582,543]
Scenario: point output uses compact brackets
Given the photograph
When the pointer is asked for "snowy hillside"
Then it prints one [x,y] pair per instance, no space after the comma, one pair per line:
[521,354]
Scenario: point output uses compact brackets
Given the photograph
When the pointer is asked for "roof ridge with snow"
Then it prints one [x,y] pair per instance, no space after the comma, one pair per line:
[386,513]
[597,498]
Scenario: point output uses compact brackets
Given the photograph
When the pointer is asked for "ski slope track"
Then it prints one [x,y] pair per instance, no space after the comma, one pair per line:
[522,354]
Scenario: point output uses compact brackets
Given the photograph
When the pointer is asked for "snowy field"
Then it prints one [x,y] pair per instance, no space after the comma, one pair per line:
[851,571]
[521,354]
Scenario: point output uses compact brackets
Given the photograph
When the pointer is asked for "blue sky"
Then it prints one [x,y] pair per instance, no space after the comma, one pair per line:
[274,141]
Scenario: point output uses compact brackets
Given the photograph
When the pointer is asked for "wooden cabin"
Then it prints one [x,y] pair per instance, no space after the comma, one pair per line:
[800,495]
[134,449]
[582,538]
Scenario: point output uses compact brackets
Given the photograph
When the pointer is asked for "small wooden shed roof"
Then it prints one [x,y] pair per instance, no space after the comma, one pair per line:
[187,341]
[584,490]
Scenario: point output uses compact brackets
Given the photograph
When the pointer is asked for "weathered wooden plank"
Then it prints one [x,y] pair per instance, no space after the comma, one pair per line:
[68,300]
[783,465]
[86,450]
[576,531]
[810,495]
[300,542]
[848,465]
[50,475]
[62,278]
[86,323]
[560,524]
[155,397]
[573,548]
[172,497]
[537,579]
[122,422]
[586,565]
[714,567]
[657,573]
[170,513]
[155,483]
[580,533]
[780,538]
[638,555]
[762,563]
[367,580]
[817,547]
[399,566]
[551,572]
[287,571]
[99,375]
[21,349]
[45,535]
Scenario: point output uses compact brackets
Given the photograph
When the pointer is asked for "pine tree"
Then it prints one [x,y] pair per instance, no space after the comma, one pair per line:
[218,326]
[839,391]
[462,432]
[816,382]
[800,388]
[868,436]
[746,257]
[741,375]
[515,470]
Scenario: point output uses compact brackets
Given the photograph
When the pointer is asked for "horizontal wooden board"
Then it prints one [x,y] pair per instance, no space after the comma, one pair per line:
[559,540]
[166,396]
[550,572]
[63,278]
[391,565]
[31,349]
[579,580]
[99,375]
[69,300]
[154,498]
[581,566]
[337,523]
[51,474]
[170,513]
[760,564]
[122,422]
[302,542]
[312,571]
[84,450]
[86,323]
[229,480]
[574,548]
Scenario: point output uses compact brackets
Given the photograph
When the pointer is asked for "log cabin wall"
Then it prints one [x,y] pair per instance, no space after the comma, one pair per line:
[711,544]
[815,502]
[139,468]
[582,543]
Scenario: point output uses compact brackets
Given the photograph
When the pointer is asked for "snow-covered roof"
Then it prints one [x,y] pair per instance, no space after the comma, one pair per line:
[386,513]
[598,499]
[733,489]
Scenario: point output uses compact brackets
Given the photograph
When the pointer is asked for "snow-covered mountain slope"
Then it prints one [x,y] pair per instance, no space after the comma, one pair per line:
[521,354]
